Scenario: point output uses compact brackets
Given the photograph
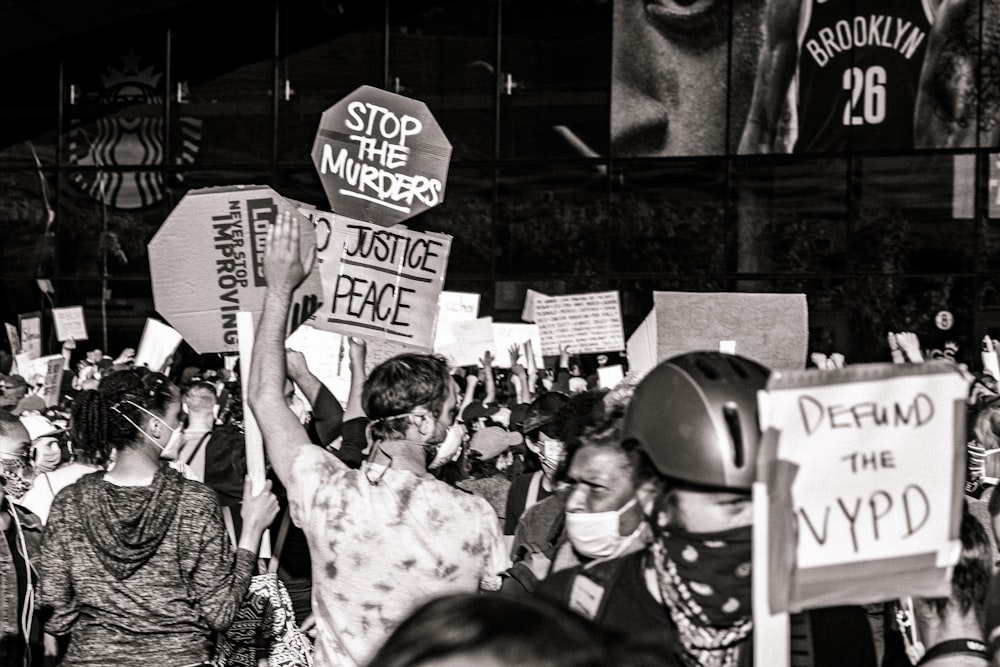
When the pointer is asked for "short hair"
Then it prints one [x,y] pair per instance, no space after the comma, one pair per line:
[970,579]
[400,384]
[200,397]
[607,434]
[106,417]
[521,631]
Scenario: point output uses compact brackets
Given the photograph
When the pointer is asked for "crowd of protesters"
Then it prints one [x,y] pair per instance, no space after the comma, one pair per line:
[445,516]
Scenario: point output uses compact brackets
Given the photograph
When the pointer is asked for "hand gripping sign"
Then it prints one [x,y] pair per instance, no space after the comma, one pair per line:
[864,469]
[381,284]
[381,157]
[207,263]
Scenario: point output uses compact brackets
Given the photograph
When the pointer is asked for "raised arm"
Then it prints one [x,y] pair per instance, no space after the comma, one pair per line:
[489,382]
[358,351]
[283,269]
[775,70]
[299,373]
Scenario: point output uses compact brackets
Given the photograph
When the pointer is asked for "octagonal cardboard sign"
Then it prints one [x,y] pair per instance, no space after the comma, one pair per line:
[382,158]
[207,263]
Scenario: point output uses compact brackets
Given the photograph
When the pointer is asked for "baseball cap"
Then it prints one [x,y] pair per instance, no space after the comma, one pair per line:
[38,426]
[493,441]
[477,409]
[29,403]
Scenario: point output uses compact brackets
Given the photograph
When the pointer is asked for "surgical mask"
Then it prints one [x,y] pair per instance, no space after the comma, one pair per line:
[173,443]
[17,476]
[46,454]
[597,534]
[450,448]
[552,454]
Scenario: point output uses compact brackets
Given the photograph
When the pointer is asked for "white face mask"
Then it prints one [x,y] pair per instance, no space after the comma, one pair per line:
[450,448]
[597,534]
[168,451]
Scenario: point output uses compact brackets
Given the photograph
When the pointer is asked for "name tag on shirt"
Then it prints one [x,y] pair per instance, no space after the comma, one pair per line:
[586,596]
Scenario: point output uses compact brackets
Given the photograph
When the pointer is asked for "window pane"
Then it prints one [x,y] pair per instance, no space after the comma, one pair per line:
[791,215]
[669,218]
[225,82]
[444,53]
[28,115]
[553,221]
[556,61]
[329,50]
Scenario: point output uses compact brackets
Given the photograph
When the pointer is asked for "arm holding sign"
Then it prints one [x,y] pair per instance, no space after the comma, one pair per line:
[358,351]
[489,383]
[283,269]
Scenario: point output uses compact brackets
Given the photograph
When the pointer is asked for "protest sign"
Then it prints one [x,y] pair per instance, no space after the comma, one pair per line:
[771,329]
[506,334]
[865,470]
[458,306]
[382,284]
[70,323]
[13,338]
[453,307]
[472,339]
[381,157]
[207,263]
[377,351]
[609,376]
[326,355]
[528,311]
[157,344]
[590,322]
[31,334]
[993,206]
[44,374]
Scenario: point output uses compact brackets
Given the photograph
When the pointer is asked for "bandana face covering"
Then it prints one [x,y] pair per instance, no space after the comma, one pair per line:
[15,472]
[705,581]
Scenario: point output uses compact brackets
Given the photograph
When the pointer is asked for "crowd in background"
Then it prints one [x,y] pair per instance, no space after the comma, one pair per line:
[441,515]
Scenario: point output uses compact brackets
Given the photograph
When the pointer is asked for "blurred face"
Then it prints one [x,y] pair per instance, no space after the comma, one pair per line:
[15,461]
[550,451]
[706,512]
[602,481]
[46,453]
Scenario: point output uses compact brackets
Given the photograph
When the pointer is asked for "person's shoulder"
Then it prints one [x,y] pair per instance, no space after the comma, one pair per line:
[554,504]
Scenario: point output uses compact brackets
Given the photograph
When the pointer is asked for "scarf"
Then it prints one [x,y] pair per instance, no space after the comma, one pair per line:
[705,582]
[126,525]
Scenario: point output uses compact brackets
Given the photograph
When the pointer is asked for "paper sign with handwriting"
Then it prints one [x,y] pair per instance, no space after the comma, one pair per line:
[13,338]
[878,453]
[31,334]
[472,339]
[159,341]
[382,284]
[506,334]
[381,157]
[590,322]
[70,324]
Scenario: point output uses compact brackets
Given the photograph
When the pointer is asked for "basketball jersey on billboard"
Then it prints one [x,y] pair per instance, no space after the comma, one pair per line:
[858,71]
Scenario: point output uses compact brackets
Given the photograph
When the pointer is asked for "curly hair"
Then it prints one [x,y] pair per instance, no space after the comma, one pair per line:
[400,384]
[105,418]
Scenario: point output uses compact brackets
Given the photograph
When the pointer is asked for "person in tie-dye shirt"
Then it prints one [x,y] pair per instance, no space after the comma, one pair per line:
[387,537]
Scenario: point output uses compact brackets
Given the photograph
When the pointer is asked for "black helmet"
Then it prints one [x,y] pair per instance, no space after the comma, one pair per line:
[695,416]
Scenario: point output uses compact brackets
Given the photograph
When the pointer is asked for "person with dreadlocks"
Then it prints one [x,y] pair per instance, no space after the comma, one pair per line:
[136,564]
